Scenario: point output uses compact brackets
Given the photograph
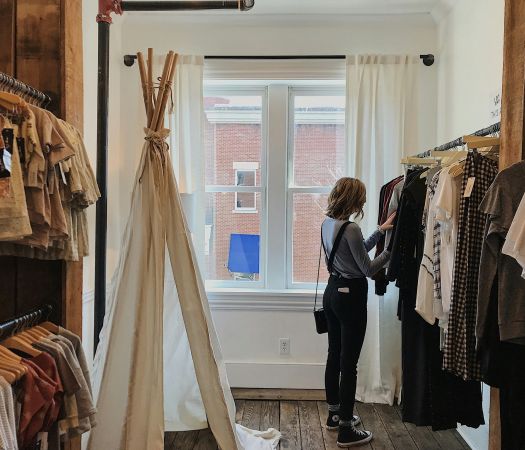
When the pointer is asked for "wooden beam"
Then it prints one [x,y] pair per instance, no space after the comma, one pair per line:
[512,137]
[7,36]
[39,59]
[513,92]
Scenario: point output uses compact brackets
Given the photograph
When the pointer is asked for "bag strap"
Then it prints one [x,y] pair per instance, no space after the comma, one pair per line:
[331,258]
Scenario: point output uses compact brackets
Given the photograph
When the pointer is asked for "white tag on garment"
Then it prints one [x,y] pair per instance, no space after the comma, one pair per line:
[469,187]
[62,173]
[344,290]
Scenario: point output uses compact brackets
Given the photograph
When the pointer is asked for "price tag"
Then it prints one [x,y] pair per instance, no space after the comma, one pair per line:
[469,187]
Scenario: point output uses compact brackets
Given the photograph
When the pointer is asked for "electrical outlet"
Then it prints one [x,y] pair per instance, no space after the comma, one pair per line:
[284,346]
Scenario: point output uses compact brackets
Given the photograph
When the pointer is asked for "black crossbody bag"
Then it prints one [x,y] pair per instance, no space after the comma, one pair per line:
[320,318]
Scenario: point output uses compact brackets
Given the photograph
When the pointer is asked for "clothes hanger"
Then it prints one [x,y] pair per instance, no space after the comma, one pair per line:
[20,343]
[475,142]
[8,376]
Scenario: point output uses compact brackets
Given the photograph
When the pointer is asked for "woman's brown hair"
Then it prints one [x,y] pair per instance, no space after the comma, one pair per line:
[347,198]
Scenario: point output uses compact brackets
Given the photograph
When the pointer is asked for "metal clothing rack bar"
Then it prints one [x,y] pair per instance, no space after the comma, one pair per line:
[30,319]
[18,87]
[105,10]
[492,129]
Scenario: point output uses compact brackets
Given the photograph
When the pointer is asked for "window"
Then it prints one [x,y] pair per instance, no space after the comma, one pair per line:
[245,175]
[273,151]
[316,159]
[235,186]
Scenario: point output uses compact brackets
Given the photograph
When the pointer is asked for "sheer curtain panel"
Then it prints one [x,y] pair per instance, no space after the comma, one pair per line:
[380,122]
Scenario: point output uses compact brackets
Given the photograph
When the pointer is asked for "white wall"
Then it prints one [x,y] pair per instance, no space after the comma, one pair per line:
[249,338]
[470,67]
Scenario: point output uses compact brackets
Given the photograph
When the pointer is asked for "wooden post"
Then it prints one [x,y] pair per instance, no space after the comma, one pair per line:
[512,136]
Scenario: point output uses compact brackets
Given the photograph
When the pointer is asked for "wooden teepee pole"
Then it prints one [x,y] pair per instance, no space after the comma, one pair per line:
[167,92]
[151,91]
[143,79]
[154,124]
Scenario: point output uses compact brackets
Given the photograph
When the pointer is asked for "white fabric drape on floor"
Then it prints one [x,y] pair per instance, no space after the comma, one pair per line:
[128,372]
[379,126]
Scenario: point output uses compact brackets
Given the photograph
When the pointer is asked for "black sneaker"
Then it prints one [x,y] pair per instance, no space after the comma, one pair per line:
[349,436]
[332,423]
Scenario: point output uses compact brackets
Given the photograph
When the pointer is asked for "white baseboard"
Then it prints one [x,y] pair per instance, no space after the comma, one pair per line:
[275,375]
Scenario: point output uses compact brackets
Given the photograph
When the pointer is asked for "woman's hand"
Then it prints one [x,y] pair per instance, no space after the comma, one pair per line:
[388,223]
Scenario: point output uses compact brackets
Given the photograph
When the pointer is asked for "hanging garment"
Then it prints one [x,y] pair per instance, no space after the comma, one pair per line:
[445,241]
[515,241]
[431,397]
[14,217]
[426,305]
[8,439]
[500,205]
[460,340]
[385,198]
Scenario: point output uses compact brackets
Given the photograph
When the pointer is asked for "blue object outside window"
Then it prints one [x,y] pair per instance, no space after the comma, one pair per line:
[244,253]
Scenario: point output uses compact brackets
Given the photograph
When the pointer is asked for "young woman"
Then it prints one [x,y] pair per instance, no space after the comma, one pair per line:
[344,303]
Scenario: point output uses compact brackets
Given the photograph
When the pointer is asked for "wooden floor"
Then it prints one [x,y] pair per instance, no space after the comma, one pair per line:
[300,423]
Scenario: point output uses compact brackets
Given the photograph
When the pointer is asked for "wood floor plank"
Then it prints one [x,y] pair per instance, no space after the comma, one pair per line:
[329,436]
[372,422]
[461,440]
[168,440]
[311,434]
[279,394]
[396,429]
[447,440]
[205,441]
[269,415]
[422,436]
[239,410]
[251,417]
[185,440]
[289,426]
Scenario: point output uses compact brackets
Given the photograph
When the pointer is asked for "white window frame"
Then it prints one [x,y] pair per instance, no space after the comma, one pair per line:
[292,189]
[276,186]
[214,90]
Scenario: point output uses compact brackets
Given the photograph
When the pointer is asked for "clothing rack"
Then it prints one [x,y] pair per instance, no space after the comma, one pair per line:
[18,87]
[28,320]
[492,129]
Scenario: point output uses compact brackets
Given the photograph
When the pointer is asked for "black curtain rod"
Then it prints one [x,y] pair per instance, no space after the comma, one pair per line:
[129,60]
[492,129]
[19,323]
[243,5]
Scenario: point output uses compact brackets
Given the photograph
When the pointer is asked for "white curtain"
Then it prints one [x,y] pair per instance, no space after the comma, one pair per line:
[380,123]
[188,144]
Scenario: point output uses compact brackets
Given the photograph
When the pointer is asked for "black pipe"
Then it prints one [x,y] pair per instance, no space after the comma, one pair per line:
[243,5]
[102,178]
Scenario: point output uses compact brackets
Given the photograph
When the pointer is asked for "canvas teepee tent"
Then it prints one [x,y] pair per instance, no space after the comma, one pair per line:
[129,374]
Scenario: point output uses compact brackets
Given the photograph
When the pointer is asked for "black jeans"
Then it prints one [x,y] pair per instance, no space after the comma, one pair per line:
[346,316]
